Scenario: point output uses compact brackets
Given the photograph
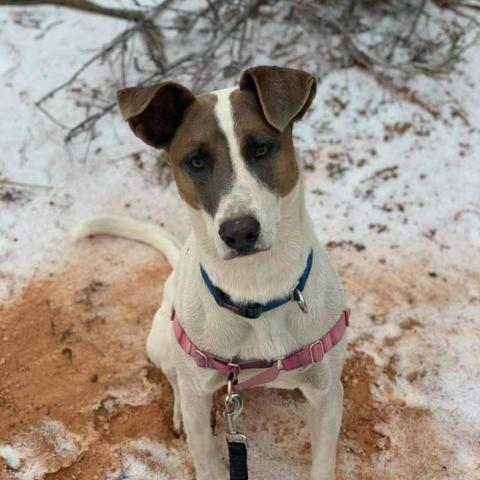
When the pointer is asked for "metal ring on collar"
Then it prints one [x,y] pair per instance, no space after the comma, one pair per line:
[297,297]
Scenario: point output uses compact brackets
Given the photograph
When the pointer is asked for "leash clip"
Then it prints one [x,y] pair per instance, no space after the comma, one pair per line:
[233,409]
[236,441]
[297,297]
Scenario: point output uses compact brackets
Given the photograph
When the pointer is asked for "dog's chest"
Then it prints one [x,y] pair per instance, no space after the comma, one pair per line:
[269,337]
[274,335]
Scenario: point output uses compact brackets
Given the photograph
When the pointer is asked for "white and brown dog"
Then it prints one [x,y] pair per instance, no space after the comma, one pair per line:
[233,160]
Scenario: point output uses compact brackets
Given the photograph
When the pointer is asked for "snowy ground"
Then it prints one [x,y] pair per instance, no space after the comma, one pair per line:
[395,196]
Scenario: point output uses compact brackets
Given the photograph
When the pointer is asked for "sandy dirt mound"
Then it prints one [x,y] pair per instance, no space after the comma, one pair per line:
[79,399]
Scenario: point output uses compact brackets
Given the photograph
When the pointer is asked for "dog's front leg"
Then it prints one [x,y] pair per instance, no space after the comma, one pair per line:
[196,412]
[324,418]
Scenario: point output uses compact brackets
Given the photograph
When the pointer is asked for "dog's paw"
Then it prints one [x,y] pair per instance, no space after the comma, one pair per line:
[177,428]
[222,472]
[324,476]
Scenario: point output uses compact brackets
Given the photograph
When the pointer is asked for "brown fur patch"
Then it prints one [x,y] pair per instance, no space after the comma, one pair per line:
[279,173]
[200,128]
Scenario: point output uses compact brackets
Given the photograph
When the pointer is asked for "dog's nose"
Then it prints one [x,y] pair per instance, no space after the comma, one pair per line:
[240,233]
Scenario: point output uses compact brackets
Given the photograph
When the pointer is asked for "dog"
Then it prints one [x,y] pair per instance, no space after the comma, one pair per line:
[232,156]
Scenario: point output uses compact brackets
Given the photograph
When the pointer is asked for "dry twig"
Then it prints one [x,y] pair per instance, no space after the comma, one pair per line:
[221,39]
[82,5]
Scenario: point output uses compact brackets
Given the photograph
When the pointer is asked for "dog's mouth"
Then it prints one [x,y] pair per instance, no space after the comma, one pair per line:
[245,253]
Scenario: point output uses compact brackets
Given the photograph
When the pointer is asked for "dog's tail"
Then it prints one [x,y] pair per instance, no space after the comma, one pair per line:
[149,233]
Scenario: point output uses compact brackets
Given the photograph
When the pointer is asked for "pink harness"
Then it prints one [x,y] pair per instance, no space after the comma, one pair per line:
[307,355]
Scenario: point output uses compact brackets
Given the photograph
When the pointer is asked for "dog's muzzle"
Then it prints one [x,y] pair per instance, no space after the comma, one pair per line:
[240,234]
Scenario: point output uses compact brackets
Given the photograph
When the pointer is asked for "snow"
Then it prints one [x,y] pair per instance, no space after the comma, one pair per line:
[11,456]
[64,443]
[133,466]
[426,204]
[50,444]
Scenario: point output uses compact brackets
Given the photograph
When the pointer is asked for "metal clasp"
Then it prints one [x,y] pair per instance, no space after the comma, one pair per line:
[297,297]
[233,409]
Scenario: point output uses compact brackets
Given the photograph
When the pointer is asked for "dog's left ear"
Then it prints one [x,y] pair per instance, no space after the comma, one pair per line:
[284,93]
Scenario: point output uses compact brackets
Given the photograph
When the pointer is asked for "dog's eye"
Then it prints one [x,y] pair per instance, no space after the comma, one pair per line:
[197,163]
[261,151]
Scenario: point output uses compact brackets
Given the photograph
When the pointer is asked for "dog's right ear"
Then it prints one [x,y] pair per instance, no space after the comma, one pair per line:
[154,113]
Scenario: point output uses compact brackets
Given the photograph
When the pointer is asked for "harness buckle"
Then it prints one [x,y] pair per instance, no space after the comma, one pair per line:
[203,357]
[222,303]
[251,311]
[312,346]
[297,297]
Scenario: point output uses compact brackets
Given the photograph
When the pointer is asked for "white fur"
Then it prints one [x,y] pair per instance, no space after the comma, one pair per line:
[259,277]
[247,196]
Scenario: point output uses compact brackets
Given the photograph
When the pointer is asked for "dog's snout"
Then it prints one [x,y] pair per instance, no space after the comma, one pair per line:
[241,233]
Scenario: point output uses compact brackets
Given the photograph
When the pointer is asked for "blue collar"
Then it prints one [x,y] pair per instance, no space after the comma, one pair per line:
[254,310]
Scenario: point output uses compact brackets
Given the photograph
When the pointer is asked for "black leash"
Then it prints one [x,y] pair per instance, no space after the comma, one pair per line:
[237,453]
[236,441]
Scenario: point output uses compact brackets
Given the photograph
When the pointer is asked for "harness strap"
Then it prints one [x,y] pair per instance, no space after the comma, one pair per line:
[307,355]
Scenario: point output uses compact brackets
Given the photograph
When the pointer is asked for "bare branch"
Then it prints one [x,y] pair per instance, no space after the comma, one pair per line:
[222,38]
[102,53]
[404,92]
[83,5]
[4,181]
[91,120]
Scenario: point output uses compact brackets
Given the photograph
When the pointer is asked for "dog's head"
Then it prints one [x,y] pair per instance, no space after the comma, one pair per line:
[231,151]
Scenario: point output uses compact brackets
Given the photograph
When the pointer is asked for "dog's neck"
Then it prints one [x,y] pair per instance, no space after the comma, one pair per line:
[264,275]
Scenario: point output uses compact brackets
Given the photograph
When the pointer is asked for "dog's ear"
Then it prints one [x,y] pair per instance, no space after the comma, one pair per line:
[284,93]
[154,113]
